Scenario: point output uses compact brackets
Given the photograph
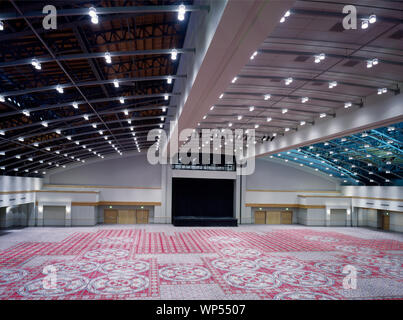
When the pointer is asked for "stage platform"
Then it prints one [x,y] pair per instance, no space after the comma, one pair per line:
[191,221]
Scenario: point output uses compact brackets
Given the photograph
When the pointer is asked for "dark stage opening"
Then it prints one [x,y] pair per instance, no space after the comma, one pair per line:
[203,202]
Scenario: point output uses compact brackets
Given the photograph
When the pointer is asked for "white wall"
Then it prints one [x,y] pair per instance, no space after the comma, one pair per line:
[275,176]
[20,189]
[132,171]
[83,216]
[396,221]
[8,183]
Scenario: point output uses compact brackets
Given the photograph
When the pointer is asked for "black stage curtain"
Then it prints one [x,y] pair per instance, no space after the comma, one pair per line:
[202,198]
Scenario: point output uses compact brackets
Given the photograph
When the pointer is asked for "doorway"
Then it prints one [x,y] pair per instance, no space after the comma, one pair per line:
[384,220]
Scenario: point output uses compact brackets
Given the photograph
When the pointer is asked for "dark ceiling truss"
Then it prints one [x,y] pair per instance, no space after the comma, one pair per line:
[140,41]
[111,110]
[62,67]
[80,102]
[82,123]
[63,26]
[85,84]
[76,151]
[101,11]
[113,37]
[374,157]
[86,132]
[93,55]
[56,146]
[53,140]
[77,154]
[362,166]
[306,159]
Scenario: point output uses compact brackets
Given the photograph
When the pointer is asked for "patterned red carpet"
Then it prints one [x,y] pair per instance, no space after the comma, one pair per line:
[164,262]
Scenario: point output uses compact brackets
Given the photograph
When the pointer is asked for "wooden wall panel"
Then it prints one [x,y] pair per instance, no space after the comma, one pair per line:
[385,222]
[110,216]
[142,216]
[273,217]
[260,217]
[286,217]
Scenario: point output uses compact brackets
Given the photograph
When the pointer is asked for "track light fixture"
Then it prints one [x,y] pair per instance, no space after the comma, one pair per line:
[36,64]
[174,54]
[59,89]
[181,12]
[288,81]
[92,12]
[332,84]
[286,15]
[108,57]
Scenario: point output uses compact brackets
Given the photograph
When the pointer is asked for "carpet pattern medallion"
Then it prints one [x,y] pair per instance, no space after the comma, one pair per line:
[165,262]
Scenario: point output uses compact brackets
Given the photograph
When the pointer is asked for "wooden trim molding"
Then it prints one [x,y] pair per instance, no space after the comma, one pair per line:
[117,203]
[66,191]
[305,191]
[395,211]
[113,203]
[284,205]
[97,187]
[84,204]
[16,192]
[351,197]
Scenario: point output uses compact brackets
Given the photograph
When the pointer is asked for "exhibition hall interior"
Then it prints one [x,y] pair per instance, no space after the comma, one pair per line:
[201,150]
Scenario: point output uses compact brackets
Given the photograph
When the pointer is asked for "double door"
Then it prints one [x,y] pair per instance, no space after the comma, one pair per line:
[273,217]
[114,216]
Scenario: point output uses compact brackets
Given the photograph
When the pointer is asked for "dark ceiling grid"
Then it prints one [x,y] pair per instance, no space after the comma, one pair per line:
[77,71]
[360,157]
